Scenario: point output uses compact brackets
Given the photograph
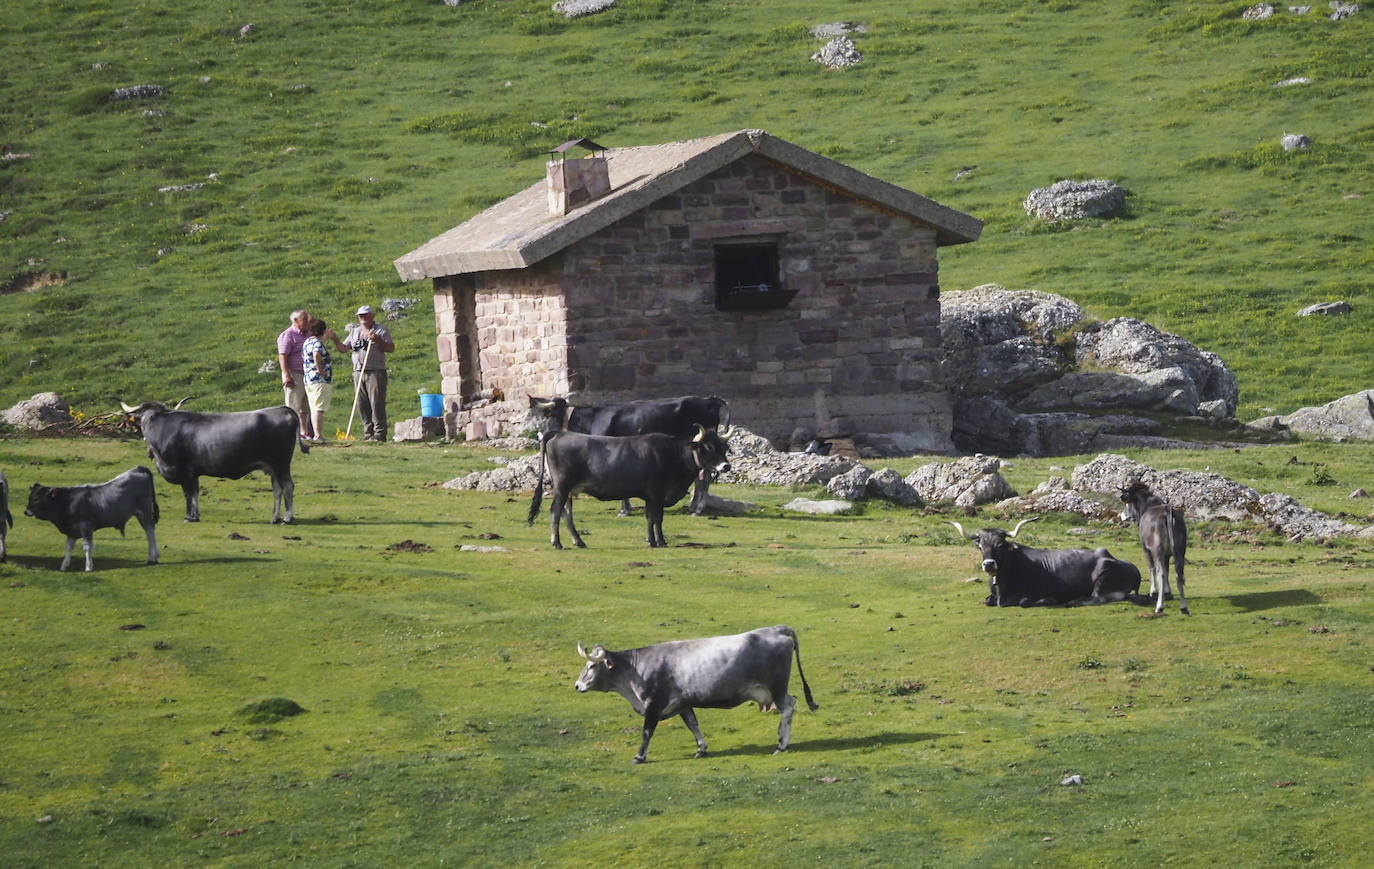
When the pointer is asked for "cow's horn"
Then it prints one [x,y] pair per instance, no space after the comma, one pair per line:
[178,405]
[583,653]
[701,433]
[124,407]
[962,532]
[1022,522]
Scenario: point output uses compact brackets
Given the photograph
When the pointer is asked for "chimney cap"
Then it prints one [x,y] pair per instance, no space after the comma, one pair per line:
[577,143]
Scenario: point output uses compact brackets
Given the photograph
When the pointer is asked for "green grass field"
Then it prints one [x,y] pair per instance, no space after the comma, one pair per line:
[441,728]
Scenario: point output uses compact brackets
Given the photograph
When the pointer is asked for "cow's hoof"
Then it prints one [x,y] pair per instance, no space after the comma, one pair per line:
[1183,610]
[780,749]
[637,761]
[701,752]
[289,520]
[581,545]
[192,518]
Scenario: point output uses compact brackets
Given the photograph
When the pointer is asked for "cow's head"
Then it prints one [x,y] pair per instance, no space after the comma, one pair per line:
[1135,496]
[553,411]
[994,544]
[596,676]
[710,451]
[42,502]
[135,415]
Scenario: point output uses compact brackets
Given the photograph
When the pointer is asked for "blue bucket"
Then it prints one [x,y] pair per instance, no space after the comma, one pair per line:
[431,404]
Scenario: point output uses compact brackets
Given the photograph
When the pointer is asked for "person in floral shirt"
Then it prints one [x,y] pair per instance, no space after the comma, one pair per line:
[319,374]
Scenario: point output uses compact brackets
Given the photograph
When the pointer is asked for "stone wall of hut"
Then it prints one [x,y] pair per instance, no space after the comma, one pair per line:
[631,312]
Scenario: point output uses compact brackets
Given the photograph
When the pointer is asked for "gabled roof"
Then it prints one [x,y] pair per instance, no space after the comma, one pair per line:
[519,231]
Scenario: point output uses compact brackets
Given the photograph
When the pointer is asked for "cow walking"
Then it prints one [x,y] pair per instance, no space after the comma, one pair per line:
[671,416]
[675,678]
[658,468]
[6,519]
[1020,575]
[190,445]
[79,511]
[1163,534]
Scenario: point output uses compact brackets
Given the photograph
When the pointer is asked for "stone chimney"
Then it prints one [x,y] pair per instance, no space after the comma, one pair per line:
[576,182]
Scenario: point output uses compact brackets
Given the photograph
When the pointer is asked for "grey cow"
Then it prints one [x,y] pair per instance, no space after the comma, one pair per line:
[677,677]
[80,511]
[1163,534]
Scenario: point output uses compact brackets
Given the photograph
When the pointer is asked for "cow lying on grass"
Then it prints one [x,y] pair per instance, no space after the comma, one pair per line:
[1025,576]
[674,678]
[79,511]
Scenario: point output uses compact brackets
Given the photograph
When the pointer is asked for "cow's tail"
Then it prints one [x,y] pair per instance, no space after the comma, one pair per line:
[796,648]
[538,498]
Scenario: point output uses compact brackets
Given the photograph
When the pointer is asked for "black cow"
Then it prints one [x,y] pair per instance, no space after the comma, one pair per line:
[6,519]
[659,468]
[671,416]
[1163,534]
[190,445]
[1025,576]
[675,678]
[78,511]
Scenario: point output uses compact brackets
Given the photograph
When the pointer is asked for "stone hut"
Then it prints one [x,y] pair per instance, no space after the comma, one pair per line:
[799,289]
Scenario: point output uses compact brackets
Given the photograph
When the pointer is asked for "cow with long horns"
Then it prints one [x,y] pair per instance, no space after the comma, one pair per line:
[1020,575]
[1163,535]
[675,678]
[189,445]
[658,468]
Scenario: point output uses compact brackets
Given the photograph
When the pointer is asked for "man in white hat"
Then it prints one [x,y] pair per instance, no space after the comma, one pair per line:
[370,343]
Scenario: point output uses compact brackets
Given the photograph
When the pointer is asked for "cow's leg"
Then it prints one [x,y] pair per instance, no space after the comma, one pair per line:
[785,710]
[67,560]
[650,722]
[191,488]
[698,505]
[146,520]
[653,517]
[1178,572]
[86,546]
[556,514]
[1159,580]
[624,507]
[690,719]
[283,490]
[572,529]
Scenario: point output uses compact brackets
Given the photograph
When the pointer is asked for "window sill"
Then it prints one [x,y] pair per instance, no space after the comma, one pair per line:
[754,299]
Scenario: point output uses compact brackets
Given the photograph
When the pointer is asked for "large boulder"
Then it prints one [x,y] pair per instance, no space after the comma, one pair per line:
[1350,417]
[997,341]
[1075,200]
[45,410]
[966,482]
[1130,346]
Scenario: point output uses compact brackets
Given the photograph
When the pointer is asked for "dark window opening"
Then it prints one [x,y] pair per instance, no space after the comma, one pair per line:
[747,276]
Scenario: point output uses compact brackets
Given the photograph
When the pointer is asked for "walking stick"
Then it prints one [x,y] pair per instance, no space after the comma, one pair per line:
[357,391]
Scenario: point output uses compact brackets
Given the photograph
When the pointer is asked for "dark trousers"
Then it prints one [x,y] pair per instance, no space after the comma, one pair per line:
[372,403]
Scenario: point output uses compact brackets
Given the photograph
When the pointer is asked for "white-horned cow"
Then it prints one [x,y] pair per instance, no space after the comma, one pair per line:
[678,677]
[658,468]
[1163,535]
[671,416]
[1020,575]
[79,511]
[189,445]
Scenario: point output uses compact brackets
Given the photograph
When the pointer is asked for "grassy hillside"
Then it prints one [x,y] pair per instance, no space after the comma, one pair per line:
[331,138]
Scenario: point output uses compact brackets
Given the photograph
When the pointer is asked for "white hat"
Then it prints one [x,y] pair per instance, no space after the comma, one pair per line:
[365,309]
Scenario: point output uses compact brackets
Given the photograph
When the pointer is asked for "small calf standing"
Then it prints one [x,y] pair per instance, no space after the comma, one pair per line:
[1163,533]
[78,511]
[6,520]
[673,678]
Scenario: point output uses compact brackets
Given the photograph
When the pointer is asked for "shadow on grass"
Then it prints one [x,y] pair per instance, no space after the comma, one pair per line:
[46,564]
[1265,600]
[806,746]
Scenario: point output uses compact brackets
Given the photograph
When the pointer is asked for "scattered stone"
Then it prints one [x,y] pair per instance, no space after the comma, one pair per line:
[468,547]
[247,30]
[1330,309]
[138,92]
[395,308]
[967,481]
[1351,416]
[818,508]
[10,157]
[851,485]
[1295,142]
[838,53]
[1359,493]
[1341,11]
[725,507]
[1300,10]
[1070,780]
[1075,200]
[1290,82]
[578,8]
[888,485]
[181,188]
[154,113]
[1258,12]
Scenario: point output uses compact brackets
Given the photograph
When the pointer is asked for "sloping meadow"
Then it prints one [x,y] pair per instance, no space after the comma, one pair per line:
[360,688]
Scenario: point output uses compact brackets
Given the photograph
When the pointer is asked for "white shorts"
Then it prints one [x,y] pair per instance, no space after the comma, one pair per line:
[319,395]
[295,395]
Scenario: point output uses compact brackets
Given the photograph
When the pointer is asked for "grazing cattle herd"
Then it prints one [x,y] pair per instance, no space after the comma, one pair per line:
[649,450]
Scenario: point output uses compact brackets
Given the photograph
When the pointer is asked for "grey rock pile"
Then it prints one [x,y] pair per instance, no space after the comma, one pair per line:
[43,411]
[1295,142]
[1075,200]
[138,92]
[1350,417]
[578,8]
[838,53]
[1330,309]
